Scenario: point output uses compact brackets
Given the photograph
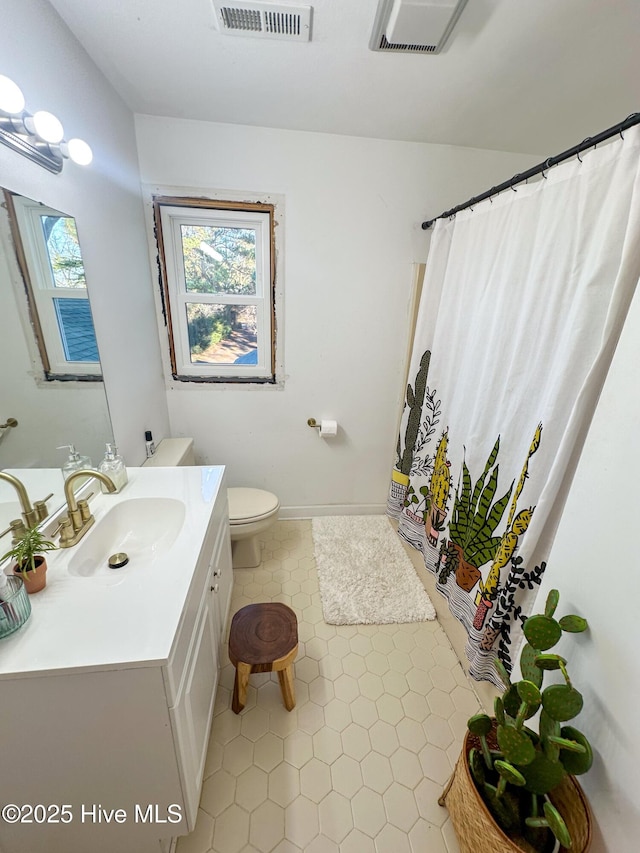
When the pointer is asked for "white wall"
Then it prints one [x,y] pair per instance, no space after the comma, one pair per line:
[352,230]
[54,72]
[594,563]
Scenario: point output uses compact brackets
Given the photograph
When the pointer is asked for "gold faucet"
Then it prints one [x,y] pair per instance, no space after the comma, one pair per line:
[29,514]
[79,518]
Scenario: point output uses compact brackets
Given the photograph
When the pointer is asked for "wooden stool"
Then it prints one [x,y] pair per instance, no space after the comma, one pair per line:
[263,638]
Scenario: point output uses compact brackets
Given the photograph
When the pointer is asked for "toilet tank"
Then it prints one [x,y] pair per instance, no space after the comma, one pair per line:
[171,453]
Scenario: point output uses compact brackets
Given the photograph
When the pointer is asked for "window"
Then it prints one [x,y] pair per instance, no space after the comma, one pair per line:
[218,278]
[53,270]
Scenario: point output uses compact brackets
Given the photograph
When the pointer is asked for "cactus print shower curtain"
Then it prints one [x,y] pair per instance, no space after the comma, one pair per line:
[522,306]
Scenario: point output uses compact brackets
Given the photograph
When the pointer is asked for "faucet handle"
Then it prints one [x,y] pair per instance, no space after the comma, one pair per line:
[64,529]
[17,528]
[40,507]
[83,506]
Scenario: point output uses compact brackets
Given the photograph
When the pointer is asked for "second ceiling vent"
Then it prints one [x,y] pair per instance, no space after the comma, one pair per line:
[414,26]
[263,20]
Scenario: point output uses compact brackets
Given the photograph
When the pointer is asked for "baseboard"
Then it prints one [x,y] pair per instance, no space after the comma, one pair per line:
[331,509]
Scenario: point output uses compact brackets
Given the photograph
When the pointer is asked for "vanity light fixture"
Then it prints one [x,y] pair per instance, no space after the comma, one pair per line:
[11,97]
[38,136]
[45,125]
[77,150]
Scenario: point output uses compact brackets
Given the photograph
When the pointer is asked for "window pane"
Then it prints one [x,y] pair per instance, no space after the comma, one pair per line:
[218,259]
[222,334]
[76,329]
[63,249]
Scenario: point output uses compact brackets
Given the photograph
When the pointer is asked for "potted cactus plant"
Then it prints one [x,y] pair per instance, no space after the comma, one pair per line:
[30,563]
[522,782]
[414,402]
[474,519]
[439,487]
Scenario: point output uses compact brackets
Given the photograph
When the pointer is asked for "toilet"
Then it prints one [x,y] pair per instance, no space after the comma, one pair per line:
[172,453]
[251,511]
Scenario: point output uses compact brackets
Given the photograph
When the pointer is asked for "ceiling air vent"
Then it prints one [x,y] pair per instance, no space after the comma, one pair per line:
[263,20]
[414,26]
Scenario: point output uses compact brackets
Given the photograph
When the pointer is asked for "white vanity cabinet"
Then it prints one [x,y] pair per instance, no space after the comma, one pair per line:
[192,672]
[120,744]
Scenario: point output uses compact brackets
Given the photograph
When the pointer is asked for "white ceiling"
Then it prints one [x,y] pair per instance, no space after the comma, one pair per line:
[530,76]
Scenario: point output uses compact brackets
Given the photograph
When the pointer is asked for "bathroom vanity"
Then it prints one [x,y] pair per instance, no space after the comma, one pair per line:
[108,689]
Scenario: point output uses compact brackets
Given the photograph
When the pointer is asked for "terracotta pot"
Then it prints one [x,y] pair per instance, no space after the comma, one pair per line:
[475,826]
[489,637]
[34,579]
[483,608]
[414,517]
[467,576]
[436,517]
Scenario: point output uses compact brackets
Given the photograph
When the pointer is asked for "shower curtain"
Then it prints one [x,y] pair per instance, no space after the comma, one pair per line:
[523,303]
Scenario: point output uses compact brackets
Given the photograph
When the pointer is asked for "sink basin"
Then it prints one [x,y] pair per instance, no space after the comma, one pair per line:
[144,528]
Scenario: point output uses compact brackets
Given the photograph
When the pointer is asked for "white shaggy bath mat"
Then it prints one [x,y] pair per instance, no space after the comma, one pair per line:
[364,574]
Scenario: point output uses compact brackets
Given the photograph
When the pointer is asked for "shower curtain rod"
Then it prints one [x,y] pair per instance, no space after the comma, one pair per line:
[589,142]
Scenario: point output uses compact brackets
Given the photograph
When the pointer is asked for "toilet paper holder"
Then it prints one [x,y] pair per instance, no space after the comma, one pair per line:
[326,428]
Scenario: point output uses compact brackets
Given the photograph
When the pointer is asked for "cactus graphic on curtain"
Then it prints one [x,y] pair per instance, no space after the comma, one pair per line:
[523,302]
[411,446]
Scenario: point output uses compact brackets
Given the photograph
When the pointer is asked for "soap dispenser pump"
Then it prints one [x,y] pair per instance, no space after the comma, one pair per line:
[113,466]
[75,462]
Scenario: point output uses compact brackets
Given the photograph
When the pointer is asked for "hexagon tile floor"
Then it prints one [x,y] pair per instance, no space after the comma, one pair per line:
[358,765]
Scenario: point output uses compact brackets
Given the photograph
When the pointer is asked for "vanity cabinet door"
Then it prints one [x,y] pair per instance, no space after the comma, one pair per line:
[192,715]
[222,580]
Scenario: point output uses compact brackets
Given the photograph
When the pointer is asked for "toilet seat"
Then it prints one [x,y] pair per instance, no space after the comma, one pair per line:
[247,506]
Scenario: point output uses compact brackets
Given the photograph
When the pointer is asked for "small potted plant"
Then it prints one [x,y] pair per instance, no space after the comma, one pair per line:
[30,563]
[514,788]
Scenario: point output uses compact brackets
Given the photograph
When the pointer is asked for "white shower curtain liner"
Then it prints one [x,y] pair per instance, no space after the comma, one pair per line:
[523,303]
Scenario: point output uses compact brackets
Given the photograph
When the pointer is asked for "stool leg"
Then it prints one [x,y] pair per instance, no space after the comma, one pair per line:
[243,670]
[285,677]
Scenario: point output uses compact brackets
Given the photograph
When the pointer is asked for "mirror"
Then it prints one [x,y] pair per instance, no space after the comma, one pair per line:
[51,389]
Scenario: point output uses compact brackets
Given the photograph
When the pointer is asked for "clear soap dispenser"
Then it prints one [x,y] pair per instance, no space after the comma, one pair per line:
[113,466]
[75,462]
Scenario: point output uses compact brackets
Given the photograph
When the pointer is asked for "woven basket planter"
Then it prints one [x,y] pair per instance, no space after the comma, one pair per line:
[475,826]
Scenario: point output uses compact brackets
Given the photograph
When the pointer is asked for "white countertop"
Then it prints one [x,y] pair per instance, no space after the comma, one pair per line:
[111,620]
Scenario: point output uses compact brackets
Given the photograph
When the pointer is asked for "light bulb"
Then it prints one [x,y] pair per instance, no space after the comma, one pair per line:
[78,151]
[46,126]
[11,97]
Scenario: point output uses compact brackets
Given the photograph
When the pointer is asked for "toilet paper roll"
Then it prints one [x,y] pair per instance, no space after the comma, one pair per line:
[328,429]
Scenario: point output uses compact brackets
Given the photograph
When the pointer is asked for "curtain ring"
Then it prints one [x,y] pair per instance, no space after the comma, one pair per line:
[546,163]
[583,145]
[631,115]
[621,133]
